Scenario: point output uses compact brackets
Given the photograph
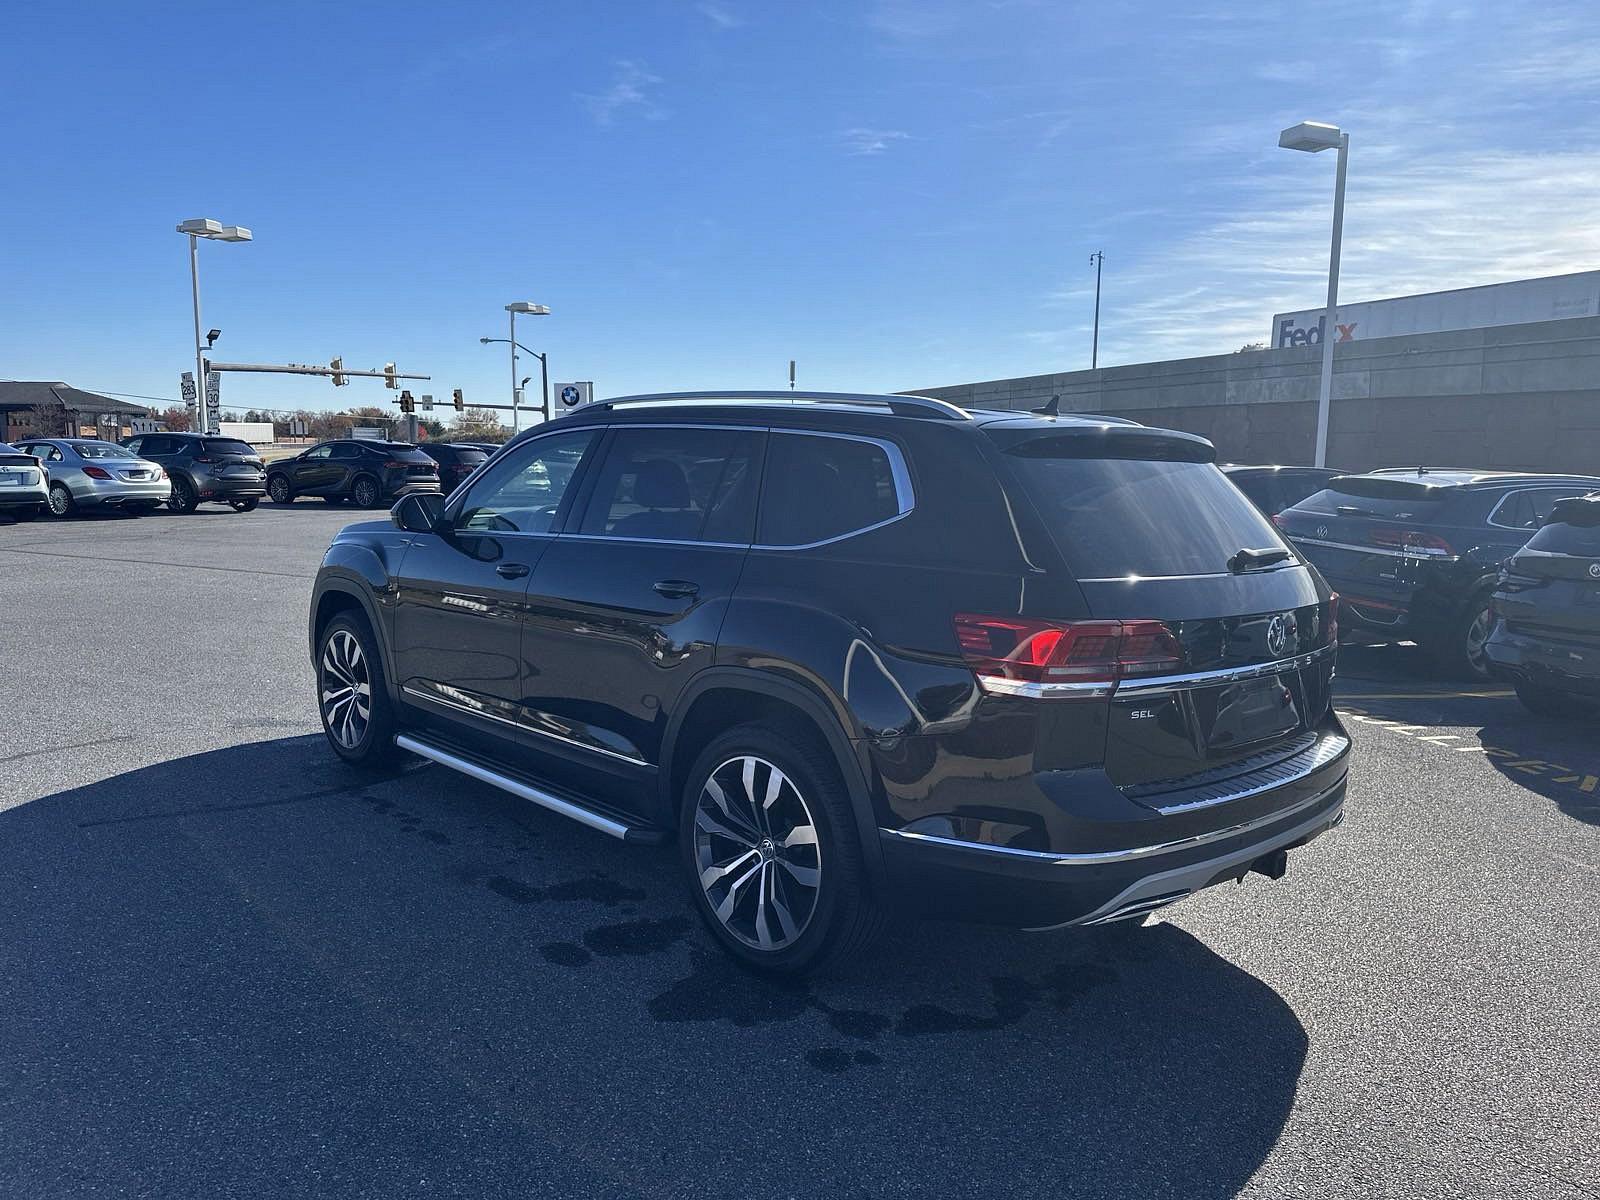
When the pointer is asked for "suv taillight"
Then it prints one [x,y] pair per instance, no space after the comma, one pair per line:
[1017,656]
[1412,542]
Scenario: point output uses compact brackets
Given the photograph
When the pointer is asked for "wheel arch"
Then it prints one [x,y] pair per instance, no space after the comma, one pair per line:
[722,697]
[337,596]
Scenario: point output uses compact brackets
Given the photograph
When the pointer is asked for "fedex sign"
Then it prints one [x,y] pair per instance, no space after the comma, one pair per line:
[1291,333]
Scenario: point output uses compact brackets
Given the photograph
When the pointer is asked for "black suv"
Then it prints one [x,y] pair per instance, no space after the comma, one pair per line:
[854,653]
[1414,553]
[1546,638]
[1273,489]
[221,469]
[367,473]
[456,461]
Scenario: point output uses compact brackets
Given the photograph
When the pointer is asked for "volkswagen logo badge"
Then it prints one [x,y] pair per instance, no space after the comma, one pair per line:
[1322,531]
[1594,570]
[1278,634]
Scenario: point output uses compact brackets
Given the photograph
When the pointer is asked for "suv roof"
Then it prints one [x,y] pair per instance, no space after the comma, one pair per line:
[919,407]
[1443,477]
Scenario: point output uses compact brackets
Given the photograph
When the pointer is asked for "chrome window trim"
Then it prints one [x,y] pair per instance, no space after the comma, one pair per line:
[1387,553]
[616,537]
[1163,683]
[905,497]
[1096,858]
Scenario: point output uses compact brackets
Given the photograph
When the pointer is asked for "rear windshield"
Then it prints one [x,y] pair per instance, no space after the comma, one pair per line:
[102,450]
[1115,517]
[1342,501]
[404,451]
[229,446]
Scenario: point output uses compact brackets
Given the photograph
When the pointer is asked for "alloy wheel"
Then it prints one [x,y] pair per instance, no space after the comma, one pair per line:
[756,853]
[366,493]
[278,489]
[1477,636]
[346,689]
[60,501]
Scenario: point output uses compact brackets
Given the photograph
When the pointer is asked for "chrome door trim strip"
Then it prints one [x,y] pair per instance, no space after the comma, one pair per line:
[516,787]
[1101,857]
[521,725]
[1166,683]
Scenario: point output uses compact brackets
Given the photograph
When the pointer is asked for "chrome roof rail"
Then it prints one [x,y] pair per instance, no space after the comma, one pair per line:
[904,406]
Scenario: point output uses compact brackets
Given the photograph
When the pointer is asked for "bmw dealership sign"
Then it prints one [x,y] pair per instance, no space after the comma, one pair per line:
[573,395]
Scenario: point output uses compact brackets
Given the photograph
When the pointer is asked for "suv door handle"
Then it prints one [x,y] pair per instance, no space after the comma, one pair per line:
[675,589]
[511,570]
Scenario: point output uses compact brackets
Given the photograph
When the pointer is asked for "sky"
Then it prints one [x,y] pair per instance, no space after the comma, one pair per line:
[894,193]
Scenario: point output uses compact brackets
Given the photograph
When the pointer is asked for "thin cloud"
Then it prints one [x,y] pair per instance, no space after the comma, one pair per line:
[871,141]
[720,15]
[629,94]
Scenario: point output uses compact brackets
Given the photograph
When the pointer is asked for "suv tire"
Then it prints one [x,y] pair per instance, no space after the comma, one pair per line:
[365,492]
[183,498]
[1462,648]
[279,490]
[767,837]
[348,661]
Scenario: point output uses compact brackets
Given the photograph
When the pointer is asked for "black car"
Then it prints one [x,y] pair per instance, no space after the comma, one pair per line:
[854,653]
[205,468]
[1414,553]
[367,473]
[456,461]
[1273,489]
[1546,637]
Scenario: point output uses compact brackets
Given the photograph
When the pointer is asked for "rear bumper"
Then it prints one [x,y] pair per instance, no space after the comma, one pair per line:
[23,497]
[1545,661]
[1037,889]
[119,495]
[231,489]
[406,487]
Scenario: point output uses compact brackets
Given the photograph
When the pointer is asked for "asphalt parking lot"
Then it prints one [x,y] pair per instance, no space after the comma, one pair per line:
[229,965]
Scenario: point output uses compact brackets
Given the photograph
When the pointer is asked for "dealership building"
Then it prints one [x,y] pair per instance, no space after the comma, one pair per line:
[1505,376]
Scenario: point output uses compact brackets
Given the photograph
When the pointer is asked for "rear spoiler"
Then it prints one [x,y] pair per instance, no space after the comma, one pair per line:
[1102,441]
[1381,487]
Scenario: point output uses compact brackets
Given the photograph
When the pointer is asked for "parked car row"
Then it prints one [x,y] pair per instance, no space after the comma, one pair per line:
[64,476]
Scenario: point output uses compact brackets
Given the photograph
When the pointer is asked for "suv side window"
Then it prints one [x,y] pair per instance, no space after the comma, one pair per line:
[1528,509]
[524,491]
[677,485]
[346,451]
[823,486]
[321,451]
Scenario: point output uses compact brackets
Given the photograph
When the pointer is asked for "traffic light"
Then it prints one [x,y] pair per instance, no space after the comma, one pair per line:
[389,378]
[407,405]
[460,400]
[338,378]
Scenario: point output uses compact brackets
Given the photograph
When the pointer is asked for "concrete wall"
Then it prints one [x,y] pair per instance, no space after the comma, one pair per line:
[1518,397]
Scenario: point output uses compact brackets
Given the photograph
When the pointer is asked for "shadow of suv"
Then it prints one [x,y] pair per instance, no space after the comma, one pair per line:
[854,654]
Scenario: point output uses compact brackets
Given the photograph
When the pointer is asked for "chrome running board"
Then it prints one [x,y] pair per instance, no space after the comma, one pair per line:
[516,787]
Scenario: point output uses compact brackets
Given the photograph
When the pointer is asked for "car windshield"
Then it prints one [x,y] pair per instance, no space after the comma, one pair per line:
[102,450]
[1113,518]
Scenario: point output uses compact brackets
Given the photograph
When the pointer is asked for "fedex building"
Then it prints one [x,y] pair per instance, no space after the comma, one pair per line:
[1505,376]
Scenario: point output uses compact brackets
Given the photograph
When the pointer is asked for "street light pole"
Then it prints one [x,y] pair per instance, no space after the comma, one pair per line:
[1098,258]
[199,358]
[197,228]
[516,392]
[1314,136]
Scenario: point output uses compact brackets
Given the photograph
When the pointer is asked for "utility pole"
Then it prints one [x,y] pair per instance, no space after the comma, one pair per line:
[1098,258]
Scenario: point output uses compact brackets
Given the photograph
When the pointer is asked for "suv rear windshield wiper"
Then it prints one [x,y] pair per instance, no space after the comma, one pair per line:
[1248,559]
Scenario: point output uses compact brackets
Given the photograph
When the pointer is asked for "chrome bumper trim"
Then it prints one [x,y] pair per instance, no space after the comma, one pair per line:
[1291,770]
[1095,858]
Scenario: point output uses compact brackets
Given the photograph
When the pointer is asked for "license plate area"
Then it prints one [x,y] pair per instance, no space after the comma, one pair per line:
[1246,712]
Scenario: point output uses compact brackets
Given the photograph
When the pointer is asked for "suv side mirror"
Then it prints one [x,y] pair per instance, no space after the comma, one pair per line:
[420,512]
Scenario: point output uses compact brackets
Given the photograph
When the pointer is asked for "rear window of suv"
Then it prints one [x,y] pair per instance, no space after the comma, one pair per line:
[1574,528]
[1116,517]
[229,446]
